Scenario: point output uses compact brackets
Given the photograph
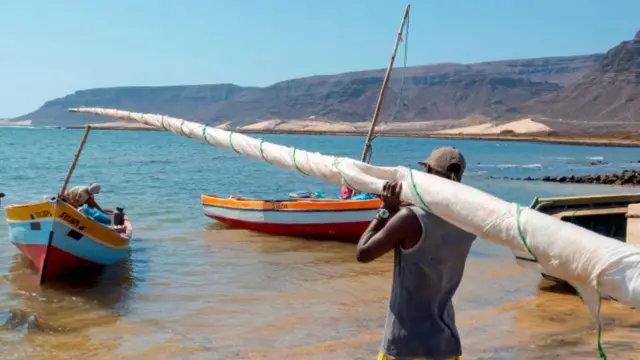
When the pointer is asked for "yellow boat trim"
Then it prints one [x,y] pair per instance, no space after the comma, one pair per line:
[29,212]
[69,216]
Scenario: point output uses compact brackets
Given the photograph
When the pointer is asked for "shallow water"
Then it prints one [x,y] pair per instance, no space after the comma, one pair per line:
[195,290]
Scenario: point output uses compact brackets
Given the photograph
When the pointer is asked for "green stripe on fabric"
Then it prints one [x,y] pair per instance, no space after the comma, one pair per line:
[343,179]
[415,189]
[262,152]
[182,129]
[231,143]
[204,134]
[601,353]
[293,155]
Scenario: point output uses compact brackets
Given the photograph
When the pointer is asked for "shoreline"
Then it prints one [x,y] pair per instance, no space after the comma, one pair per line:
[615,139]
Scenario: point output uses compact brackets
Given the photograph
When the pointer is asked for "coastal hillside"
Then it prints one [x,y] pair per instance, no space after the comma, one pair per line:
[433,92]
[608,96]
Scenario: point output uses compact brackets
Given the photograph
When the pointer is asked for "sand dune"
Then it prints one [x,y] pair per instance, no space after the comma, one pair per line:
[15,123]
[301,125]
[468,126]
[523,126]
[314,124]
[224,125]
[119,125]
[475,129]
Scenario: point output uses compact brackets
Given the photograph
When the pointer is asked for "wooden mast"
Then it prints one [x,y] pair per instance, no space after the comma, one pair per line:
[376,113]
[43,271]
[75,161]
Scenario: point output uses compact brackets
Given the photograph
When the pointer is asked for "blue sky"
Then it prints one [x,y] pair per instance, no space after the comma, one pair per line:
[52,48]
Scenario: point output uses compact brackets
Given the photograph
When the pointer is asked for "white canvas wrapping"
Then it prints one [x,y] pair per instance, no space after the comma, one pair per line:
[594,264]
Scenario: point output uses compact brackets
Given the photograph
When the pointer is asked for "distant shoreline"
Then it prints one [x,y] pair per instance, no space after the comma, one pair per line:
[615,139]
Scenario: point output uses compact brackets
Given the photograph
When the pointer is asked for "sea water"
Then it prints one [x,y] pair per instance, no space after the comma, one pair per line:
[195,290]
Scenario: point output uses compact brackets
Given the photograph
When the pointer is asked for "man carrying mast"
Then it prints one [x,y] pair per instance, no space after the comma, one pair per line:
[430,256]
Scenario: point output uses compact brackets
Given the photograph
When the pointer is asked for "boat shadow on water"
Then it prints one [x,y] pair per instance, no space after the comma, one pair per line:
[95,297]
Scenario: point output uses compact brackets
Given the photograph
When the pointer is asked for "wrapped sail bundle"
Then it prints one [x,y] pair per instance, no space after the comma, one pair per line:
[596,265]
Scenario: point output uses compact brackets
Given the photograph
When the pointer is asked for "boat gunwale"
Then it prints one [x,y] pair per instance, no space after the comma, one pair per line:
[577,206]
[291,205]
[123,239]
[583,200]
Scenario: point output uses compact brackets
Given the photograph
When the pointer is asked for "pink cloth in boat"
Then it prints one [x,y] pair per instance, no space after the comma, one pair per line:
[346,192]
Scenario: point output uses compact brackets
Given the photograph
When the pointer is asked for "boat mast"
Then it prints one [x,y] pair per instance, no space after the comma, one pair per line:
[376,113]
[43,271]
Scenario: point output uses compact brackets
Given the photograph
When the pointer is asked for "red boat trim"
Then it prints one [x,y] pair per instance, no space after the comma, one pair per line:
[347,231]
[58,260]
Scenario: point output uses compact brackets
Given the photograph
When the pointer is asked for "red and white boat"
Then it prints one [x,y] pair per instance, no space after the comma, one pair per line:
[343,220]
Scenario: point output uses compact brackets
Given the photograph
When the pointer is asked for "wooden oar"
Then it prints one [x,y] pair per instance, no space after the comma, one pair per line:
[58,199]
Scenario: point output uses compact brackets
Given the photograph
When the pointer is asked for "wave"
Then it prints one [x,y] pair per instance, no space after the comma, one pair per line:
[475,173]
[19,126]
[509,166]
[595,157]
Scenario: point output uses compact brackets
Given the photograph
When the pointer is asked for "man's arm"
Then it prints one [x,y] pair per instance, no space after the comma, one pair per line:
[98,206]
[383,235]
[91,202]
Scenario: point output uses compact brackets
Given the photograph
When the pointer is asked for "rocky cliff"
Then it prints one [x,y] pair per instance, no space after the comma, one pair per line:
[434,92]
[607,96]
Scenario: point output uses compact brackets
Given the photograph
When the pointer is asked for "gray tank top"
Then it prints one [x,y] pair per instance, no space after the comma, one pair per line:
[420,319]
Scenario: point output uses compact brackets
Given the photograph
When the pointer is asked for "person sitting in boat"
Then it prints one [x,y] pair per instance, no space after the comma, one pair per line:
[78,196]
[430,256]
[83,199]
[345,192]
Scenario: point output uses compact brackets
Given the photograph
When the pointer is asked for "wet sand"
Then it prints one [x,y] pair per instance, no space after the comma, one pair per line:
[265,297]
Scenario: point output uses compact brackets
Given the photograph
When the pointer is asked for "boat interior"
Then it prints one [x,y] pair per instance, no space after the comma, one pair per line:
[124,229]
[291,199]
[616,216]
[119,224]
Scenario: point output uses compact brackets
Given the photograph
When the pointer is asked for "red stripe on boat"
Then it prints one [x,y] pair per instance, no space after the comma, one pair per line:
[349,232]
[59,261]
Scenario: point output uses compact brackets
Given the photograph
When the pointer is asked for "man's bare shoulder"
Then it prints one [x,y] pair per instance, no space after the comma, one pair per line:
[409,219]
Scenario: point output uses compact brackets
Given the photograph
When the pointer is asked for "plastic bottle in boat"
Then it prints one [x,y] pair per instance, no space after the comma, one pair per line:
[118,217]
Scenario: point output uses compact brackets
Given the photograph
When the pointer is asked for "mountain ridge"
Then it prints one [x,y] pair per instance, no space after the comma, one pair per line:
[431,92]
[609,93]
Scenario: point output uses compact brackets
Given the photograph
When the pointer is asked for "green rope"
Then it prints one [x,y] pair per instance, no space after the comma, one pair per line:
[262,152]
[415,189]
[603,355]
[521,233]
[182,129]
[601,352]
[231,143]
[162,123]
[293,155]
[343,179]
[204,135]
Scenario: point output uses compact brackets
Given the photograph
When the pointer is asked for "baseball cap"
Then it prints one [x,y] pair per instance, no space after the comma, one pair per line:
[94,188]
[441,158]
